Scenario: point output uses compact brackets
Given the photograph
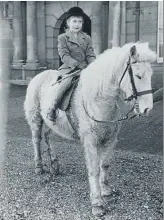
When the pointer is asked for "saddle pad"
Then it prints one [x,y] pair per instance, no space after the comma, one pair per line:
[64,103]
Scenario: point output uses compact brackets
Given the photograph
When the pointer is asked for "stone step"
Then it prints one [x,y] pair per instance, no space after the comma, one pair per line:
[19,82]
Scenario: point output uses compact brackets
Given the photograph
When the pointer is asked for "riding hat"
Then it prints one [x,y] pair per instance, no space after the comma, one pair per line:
[75,11]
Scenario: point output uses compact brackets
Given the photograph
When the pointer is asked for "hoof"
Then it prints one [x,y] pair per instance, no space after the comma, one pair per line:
[38,170]
[54,171]
[54,168]
[106,193]
[98,211]
[111,197]
[107,200]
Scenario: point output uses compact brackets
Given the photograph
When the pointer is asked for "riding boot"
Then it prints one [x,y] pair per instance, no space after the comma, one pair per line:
[63,86]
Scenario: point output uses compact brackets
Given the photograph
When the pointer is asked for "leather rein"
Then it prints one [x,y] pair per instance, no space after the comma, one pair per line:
[133,96]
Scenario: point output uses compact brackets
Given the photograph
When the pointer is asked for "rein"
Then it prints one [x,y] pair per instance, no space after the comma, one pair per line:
[133,96]
[118,120]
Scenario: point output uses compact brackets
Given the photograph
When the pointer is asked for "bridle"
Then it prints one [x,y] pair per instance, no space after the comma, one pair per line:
[132,97]
[135,92]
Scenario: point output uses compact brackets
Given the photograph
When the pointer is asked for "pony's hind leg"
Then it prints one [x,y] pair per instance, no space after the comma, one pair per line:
[36,129]
[35,122]
[54,164]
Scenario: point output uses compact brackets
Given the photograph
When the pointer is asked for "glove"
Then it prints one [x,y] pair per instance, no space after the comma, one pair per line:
[82,66]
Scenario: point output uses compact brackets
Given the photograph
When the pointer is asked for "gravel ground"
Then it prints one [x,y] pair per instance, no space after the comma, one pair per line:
[135,173]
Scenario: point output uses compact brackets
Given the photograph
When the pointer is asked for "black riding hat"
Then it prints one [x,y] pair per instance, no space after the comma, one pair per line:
[75,11]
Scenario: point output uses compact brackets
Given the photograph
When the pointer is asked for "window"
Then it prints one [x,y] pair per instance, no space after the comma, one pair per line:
[160,32]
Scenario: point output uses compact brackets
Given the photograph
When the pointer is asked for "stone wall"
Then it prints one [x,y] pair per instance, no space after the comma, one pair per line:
[50,16]
[148,25]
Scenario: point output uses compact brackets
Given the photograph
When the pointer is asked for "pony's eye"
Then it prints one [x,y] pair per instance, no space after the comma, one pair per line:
[139,77]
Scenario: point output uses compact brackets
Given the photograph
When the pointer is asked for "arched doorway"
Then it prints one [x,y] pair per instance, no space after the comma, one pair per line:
[62,28]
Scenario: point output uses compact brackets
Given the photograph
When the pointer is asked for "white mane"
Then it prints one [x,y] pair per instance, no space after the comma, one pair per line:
[102,75]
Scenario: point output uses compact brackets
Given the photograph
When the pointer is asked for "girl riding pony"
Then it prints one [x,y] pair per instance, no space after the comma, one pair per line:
[76,52]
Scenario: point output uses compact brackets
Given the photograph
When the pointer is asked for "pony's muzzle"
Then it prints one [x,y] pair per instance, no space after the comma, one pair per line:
[145,112]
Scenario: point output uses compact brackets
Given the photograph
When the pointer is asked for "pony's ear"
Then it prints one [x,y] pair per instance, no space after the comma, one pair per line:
[133,51]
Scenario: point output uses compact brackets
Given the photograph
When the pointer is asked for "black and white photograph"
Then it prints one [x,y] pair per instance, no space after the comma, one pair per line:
[81,110]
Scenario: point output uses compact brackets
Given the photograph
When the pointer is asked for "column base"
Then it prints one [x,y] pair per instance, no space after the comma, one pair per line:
[32,64]
[17,63]
[25,72]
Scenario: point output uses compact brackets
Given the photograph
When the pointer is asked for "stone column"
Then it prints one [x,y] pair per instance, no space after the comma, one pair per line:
[17,35]
[97,26]
[5,50]
[41,30]
[32,57]
[114,24]
[123,23]
[105,15]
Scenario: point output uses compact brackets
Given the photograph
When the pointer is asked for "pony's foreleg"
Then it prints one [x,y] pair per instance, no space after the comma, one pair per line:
[54,164]
[105,158]
[93,165]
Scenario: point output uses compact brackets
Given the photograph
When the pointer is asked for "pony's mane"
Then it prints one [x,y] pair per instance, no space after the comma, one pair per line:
[109,65]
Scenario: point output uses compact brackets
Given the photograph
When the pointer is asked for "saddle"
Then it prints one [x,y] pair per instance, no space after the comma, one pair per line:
[64,102]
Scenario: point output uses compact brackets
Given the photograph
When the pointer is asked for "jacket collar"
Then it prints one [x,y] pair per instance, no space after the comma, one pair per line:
[71,38]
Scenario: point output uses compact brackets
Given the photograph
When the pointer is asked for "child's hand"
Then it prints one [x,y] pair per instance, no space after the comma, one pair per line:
[82,66]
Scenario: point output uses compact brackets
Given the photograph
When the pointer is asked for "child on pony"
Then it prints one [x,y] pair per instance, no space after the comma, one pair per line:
[76,52]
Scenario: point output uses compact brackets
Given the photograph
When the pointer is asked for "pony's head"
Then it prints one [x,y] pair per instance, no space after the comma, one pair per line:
[136,82]
[101,79]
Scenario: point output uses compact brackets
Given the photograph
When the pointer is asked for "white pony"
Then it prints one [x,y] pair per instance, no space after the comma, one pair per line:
[94,113]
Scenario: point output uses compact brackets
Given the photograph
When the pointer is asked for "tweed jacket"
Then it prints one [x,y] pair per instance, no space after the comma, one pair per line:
[74,51]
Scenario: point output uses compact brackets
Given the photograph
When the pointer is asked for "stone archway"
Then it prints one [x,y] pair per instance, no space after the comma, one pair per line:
[60,28]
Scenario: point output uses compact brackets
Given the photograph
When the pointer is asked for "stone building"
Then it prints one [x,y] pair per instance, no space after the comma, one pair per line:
[35,27]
